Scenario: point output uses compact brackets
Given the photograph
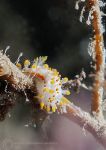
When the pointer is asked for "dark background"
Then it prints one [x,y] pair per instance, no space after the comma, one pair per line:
[46,27]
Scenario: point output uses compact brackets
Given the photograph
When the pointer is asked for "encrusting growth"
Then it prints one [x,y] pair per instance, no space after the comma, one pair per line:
[99,51]
[96,50]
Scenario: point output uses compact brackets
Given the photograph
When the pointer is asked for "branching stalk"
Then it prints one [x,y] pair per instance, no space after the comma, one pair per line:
[83,119]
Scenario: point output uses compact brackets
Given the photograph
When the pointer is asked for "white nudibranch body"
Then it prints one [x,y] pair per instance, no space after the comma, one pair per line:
[49,85]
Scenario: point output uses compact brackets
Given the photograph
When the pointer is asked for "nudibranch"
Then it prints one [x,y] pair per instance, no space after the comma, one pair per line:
[48,84]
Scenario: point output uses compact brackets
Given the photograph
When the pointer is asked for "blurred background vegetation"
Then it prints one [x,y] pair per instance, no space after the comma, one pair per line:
[49,27]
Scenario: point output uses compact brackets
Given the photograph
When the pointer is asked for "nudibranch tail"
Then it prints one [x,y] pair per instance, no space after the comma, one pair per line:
[48,84]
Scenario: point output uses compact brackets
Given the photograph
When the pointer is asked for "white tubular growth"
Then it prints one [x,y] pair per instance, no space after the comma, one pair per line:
[77,4]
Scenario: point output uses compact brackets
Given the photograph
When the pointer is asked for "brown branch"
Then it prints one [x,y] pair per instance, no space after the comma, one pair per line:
[99,58]
[76,83]
[10,73]
[84,119]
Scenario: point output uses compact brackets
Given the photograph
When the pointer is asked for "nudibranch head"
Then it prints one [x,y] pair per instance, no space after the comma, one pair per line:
[48,84]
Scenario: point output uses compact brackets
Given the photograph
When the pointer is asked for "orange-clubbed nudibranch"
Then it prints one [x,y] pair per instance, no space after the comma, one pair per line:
[48,84]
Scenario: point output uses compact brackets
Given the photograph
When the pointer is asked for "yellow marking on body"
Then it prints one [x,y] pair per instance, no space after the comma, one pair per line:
[61,103]
[67,92]
[51,99]
[46,89]
[36,60]
[46,66]
[18,65]
[65,100]
[26,62]
[44,58]
[52,82]
[51,91]
[48,108]
[53,108]
[40,96]
[55,72]
[34,66]
[65,79]
[42,105]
